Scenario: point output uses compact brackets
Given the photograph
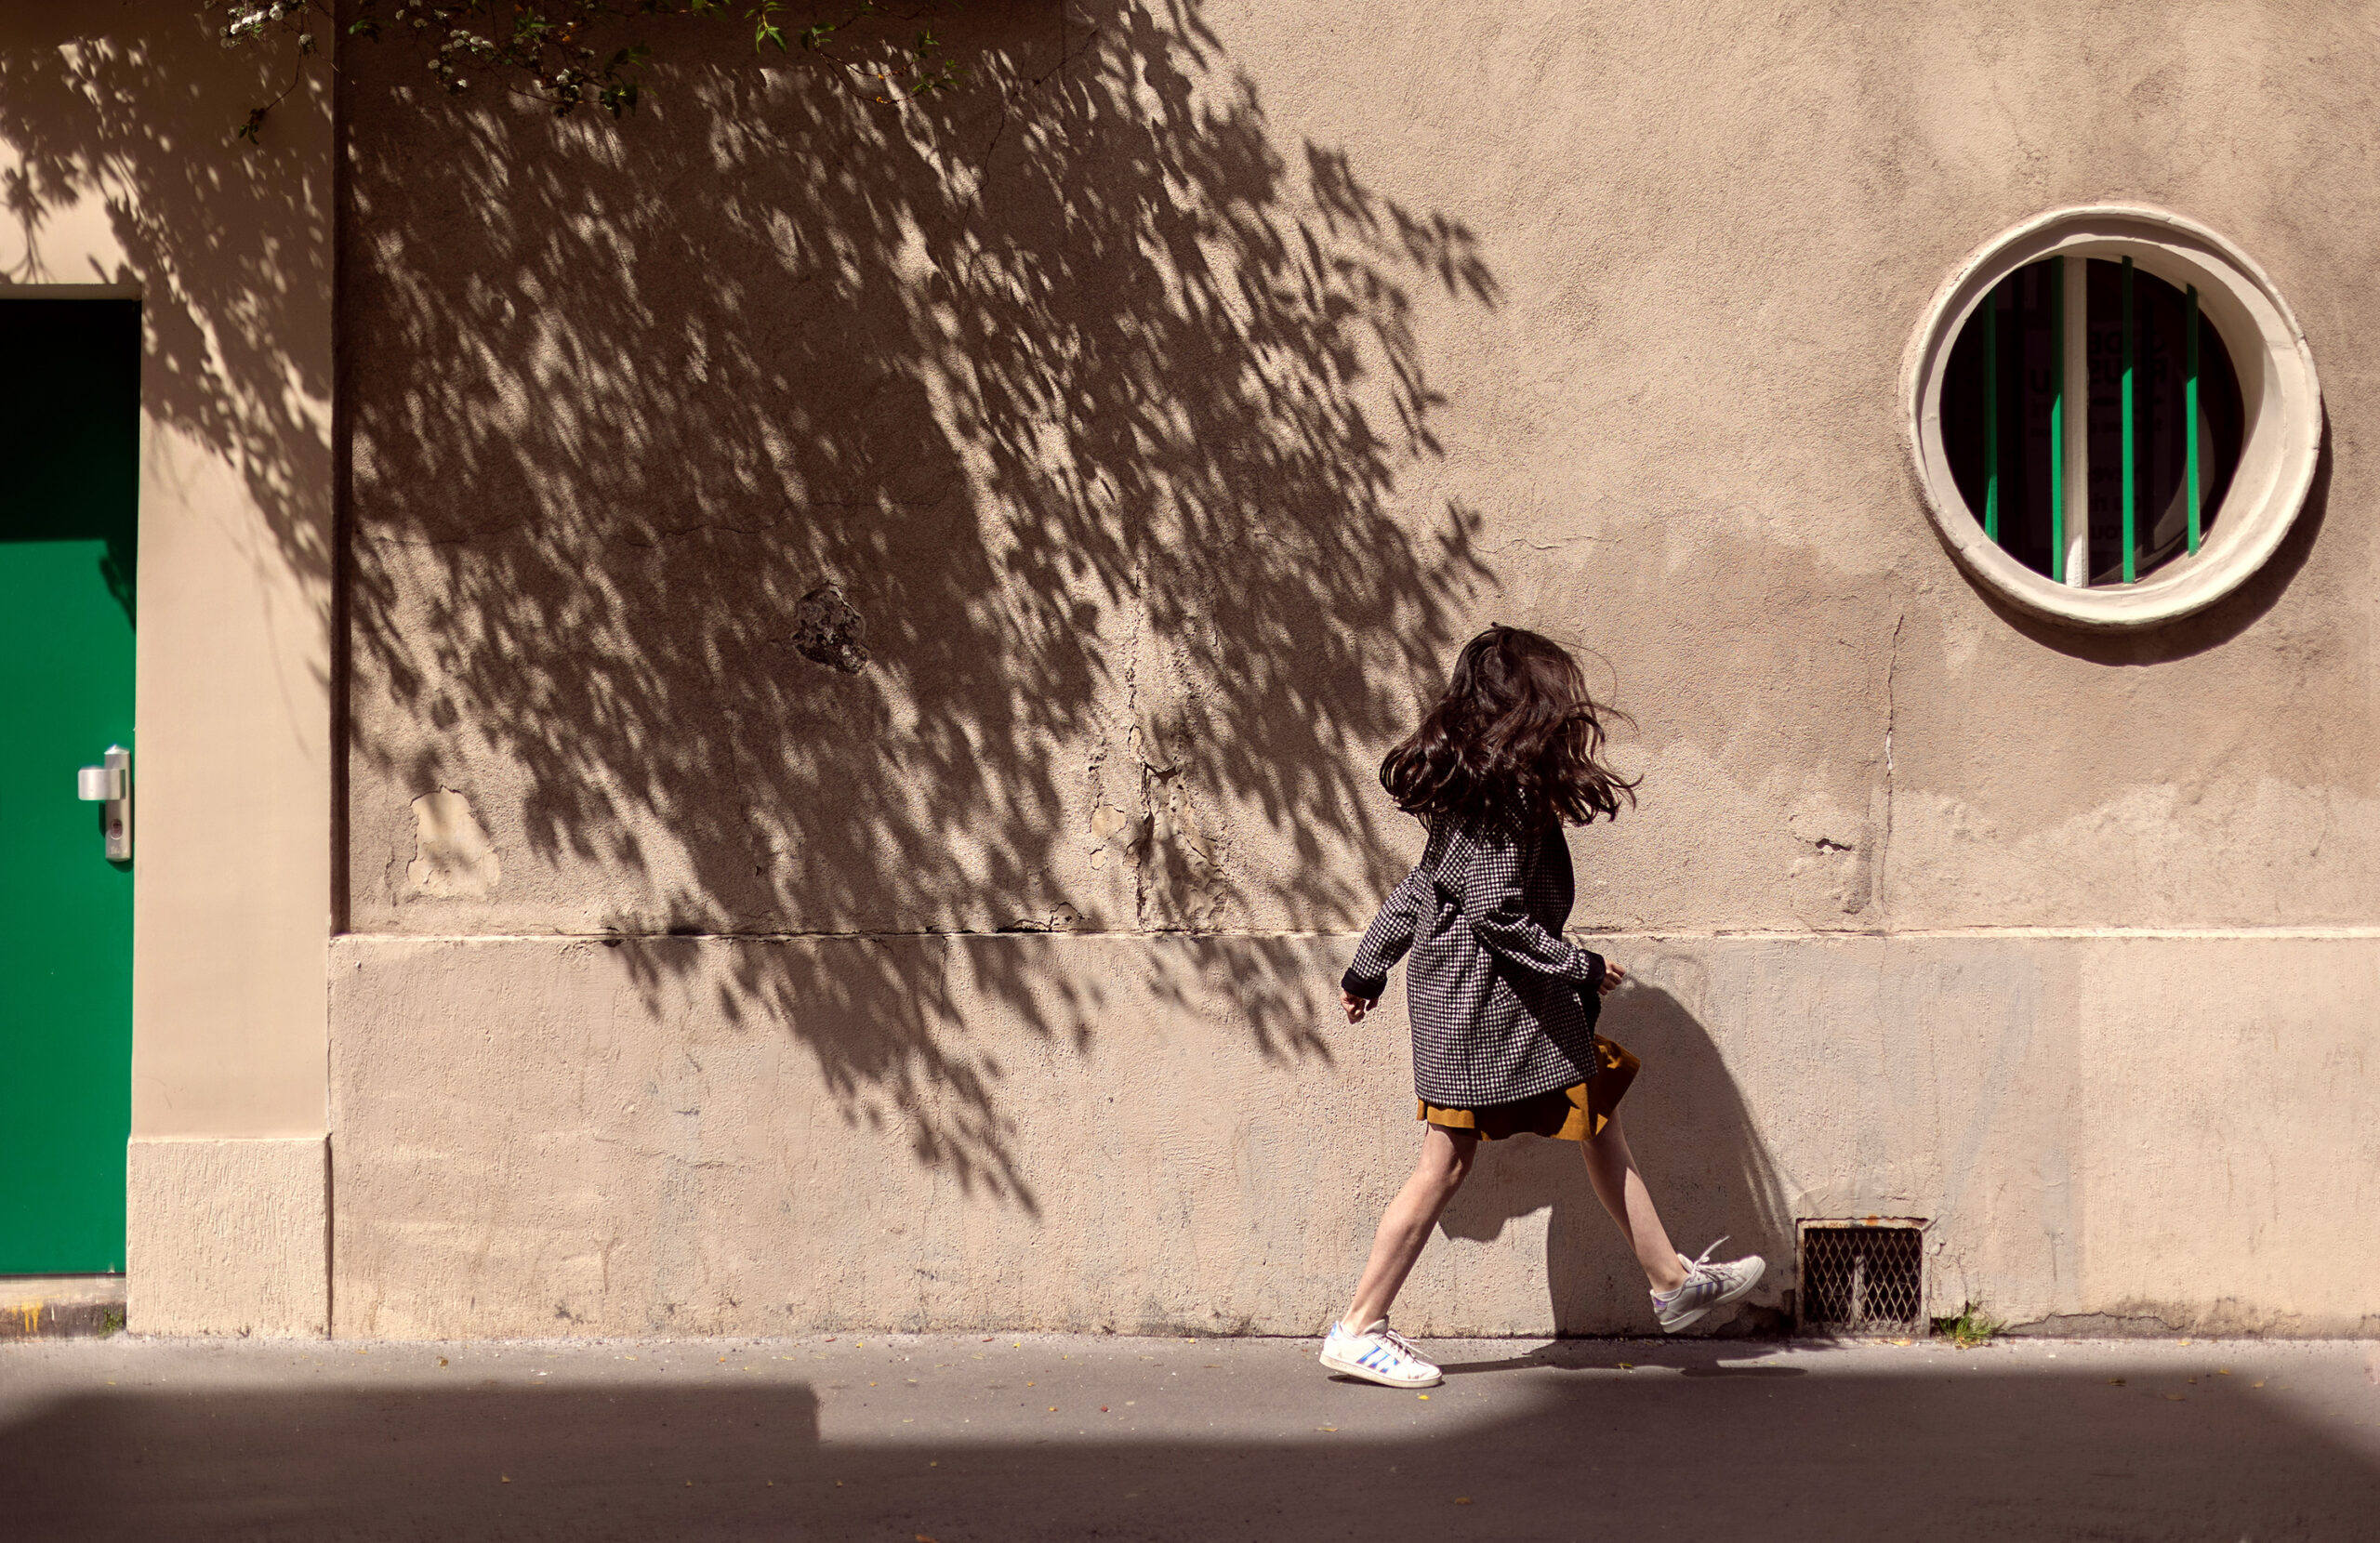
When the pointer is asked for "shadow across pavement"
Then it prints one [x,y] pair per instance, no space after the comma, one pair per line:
[1562,1445]
[1687,1357]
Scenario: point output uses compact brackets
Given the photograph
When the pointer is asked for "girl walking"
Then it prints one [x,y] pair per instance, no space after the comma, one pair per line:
[1503,1007]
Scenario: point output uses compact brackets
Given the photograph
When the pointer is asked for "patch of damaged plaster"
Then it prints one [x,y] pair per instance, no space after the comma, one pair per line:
[1837,861]
[827,631]
[1112,833]
[1180,867]
[452,854]
[1146,827]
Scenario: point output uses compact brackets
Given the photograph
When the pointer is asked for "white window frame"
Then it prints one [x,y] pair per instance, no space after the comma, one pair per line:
[2281,401]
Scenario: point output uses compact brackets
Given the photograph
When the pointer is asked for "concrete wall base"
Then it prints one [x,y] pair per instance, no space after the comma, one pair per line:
[227,1236]
[60,1307]
[1171,1134]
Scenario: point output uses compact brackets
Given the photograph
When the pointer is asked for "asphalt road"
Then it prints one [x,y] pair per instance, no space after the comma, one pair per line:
[964,1439]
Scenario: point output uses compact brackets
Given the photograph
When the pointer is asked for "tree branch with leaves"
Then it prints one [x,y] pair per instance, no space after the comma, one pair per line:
[547,49]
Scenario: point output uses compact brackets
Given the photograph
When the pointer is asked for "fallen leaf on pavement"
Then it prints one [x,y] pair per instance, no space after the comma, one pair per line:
[2177,1398]
[1463,1499]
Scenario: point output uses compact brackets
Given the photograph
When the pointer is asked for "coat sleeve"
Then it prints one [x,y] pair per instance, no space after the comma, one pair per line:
[1386,939]
[1483,870]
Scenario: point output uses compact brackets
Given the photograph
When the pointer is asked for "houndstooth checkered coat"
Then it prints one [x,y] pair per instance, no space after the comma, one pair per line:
[1503,1007]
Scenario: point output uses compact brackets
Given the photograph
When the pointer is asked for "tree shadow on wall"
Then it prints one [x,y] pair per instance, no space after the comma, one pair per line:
[1708,1169]
[229,246]
[782,516]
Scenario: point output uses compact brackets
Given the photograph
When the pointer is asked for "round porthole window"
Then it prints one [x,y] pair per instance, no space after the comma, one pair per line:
[2114,416]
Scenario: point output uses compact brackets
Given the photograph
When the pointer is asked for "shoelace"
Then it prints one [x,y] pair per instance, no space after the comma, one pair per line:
[1698,1268]
[1403,1345]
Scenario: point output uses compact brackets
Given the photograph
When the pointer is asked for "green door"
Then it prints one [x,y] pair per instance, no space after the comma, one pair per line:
[69,404]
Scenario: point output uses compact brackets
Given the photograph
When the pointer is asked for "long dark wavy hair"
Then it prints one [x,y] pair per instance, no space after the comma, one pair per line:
[1515,743]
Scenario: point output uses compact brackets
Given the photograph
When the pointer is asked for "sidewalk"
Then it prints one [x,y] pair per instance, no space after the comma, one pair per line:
[964,1439]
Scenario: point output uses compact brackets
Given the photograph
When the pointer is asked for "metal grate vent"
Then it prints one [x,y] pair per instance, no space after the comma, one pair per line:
[1863,1277]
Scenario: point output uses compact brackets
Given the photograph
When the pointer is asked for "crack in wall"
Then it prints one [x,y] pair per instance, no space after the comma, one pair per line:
[1878,895]
[1136,846]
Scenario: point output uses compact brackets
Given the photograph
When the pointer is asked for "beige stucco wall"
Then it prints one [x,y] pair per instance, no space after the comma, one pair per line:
[698,1136]
[115,135]
[1118,469]
[232,1235]
[1168,405]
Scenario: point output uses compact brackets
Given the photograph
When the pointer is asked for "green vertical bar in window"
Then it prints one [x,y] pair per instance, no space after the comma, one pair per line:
[2058,420]
[1991,414]
[2129,517]
[2190,405]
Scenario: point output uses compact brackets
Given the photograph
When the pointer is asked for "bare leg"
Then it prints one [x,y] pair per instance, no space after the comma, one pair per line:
[1612,1169]
[1445,1162]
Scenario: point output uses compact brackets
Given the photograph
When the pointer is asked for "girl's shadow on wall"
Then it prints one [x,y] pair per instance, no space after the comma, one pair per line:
[1706,1168]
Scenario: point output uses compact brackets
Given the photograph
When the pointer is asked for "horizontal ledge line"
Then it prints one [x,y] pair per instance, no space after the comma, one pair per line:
[2088,932]
[1259,935]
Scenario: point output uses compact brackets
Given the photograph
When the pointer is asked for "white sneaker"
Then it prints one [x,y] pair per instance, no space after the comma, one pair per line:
[1378,1354]
[1707,1286]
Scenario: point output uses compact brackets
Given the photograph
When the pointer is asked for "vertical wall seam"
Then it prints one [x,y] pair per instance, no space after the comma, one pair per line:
[341,652]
